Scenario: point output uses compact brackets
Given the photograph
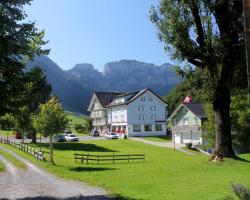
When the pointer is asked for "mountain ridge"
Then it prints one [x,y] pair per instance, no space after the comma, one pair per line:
[75,86]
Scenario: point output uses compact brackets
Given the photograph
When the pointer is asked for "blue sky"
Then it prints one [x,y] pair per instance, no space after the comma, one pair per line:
[98,31]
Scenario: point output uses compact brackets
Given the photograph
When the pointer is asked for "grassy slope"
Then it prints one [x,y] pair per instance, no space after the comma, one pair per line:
[75,118]
[2,167]
[166,174]
[159,138]
[13,160]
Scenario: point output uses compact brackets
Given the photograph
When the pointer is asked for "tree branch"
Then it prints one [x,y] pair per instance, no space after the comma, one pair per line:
[197,20]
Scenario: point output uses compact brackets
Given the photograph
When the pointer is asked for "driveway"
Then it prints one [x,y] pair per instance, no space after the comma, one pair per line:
[178,147]
[34,183]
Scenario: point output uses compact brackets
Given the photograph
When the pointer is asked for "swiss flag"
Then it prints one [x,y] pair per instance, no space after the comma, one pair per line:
[188,99]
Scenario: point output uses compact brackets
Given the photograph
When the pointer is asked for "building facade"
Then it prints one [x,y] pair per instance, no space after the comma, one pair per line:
[186,122]
[139,113]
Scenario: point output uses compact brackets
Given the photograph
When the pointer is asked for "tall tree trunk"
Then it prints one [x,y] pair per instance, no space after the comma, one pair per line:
[33,135]
[247,41]
[221,107]
[51,149]
[22,135]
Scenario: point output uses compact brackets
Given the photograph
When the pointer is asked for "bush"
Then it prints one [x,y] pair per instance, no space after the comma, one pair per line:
[189,145]
[241,192]
[79,128]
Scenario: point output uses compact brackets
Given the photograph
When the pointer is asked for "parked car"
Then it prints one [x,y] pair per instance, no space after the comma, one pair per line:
[59,138]
[94,133]
[71,137]
[111,135]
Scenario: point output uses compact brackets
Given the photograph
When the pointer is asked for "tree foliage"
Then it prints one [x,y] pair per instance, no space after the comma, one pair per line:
[20,41]
[8,121]
[240,120]
[51,120]
[209,35]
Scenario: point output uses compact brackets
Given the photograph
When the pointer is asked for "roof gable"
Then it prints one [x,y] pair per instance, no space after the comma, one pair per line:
[195,108]
[133,96]
[104,98]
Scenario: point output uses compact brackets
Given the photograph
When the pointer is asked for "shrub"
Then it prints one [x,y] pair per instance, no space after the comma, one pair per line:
[79,128]
[243,193]
[189,145]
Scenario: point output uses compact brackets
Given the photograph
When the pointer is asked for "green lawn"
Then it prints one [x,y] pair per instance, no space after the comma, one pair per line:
[2,167]
[75,118]
[13,160]
[166,174]
[162,138]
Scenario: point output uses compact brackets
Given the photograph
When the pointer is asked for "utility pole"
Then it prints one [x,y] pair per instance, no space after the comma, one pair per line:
[246,7]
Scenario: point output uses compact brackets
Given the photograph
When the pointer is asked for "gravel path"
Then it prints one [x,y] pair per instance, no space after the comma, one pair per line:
[34,184]
[178,147]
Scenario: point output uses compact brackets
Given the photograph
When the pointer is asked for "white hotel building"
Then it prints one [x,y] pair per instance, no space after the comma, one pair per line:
[139,113]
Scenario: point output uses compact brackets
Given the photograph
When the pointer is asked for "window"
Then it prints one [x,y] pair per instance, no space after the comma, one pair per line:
[141,108]
[143,98]
[148,127]
[185,122]
[158,127]
[150,99]
[141,117]
[116,119]
[122,118]
[195,121]
[175,122]
[136,128]
[153,108]
[153,116]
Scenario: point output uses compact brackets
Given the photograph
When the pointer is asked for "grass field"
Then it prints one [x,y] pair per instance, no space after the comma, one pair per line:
[166,174]
[13,160]
[2,167]
[75,118]
[162,138]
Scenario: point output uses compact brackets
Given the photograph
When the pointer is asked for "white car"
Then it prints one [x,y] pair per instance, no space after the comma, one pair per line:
[111,135]
[71,137]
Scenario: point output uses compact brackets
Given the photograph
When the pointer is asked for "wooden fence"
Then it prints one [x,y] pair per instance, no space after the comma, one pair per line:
[113,157]
[39,155]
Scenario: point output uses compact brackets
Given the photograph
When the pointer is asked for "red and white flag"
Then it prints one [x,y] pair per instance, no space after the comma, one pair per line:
[188,99]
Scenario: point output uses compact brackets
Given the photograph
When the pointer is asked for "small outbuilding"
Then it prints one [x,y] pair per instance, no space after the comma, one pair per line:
[186,122]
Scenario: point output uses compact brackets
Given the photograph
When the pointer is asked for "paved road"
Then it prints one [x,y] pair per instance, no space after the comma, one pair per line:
[34,183]
[178,147]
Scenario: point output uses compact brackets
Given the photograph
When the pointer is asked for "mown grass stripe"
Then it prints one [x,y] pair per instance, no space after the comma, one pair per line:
[12,159]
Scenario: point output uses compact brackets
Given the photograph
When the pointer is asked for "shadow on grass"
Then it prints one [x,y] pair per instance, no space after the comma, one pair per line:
[90,169]
[241,159]
[78,147]
[163,137]
[93,197]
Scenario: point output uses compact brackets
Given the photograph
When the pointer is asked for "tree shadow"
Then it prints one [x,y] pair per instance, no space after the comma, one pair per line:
[94,197]
[237,158]
[90,169]
[78,147]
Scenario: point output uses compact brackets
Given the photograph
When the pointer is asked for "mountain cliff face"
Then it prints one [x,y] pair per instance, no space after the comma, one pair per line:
[74,87]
